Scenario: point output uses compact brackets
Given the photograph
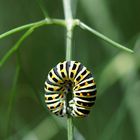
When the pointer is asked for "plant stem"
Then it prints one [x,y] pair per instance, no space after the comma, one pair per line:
[37,24]
[108,40]
[69,46]
[69,27]
[20,28]
[15,47]
[70,127]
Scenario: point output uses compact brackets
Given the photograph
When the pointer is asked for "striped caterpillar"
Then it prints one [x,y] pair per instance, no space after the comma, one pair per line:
[70,79]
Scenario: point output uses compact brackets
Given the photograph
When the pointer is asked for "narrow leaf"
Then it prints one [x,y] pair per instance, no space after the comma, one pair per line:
[12,31]
[103,37]
[15,47]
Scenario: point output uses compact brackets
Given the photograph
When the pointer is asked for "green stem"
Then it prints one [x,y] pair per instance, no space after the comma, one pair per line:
[69,46]
[69,27]
[32,26]
[108,40]
[21,28]
[37,24]
[70,127]
[15,47]
[70,24]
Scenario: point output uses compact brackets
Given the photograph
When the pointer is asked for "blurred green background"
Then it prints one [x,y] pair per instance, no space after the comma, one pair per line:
[116,115]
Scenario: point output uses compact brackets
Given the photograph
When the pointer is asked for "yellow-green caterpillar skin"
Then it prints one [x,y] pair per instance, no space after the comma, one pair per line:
[70,77]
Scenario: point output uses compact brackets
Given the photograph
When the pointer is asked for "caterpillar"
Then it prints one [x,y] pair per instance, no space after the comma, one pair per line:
[70,79]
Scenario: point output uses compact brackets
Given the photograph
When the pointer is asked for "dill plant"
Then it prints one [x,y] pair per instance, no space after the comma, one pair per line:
[69,24]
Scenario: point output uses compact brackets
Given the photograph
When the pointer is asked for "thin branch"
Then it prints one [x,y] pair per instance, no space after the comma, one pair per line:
[70,24]
[16,46]
[21,28]
[37,24]
[108,40]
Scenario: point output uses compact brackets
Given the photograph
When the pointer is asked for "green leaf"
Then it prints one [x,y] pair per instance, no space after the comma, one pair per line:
[15,47]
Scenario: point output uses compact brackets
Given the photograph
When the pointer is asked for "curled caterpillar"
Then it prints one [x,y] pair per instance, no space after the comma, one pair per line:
[70,81]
